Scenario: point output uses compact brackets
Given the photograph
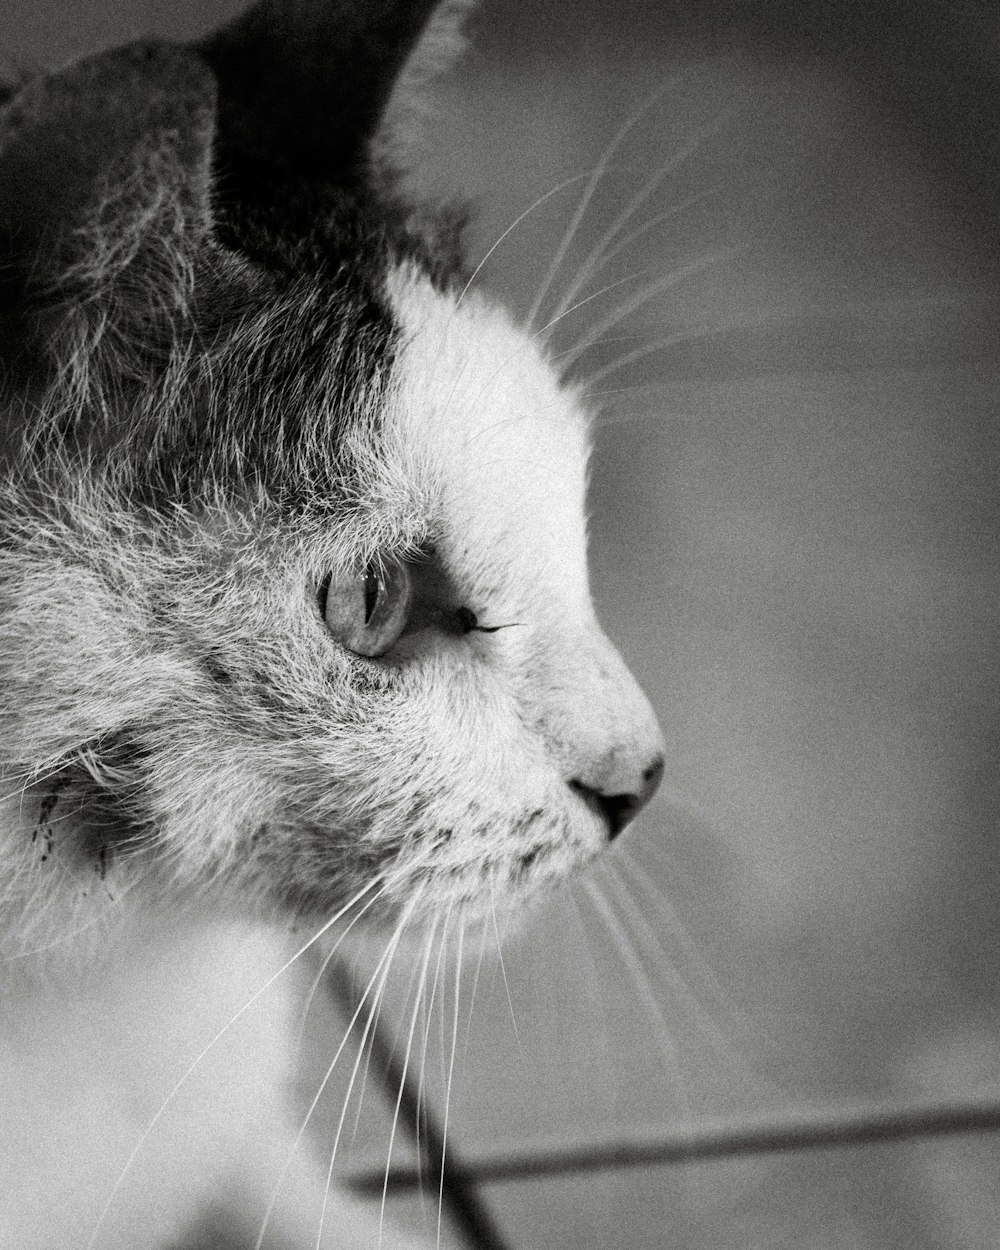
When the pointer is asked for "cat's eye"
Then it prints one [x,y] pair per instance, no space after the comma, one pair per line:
[367,613]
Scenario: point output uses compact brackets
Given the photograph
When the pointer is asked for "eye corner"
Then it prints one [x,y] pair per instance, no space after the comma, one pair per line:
[466,620]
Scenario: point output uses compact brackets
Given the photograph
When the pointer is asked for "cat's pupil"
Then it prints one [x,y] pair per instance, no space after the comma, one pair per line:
[373,588]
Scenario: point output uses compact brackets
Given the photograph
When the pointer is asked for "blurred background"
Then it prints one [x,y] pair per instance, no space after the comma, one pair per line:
[794,519]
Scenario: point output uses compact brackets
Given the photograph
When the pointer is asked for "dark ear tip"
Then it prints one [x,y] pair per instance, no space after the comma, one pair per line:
[304,84]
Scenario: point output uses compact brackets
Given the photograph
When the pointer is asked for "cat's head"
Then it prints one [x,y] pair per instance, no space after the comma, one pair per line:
[294,592]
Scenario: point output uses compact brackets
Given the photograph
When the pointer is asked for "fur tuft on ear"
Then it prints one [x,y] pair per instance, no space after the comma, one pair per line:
[104,176]
[411,107]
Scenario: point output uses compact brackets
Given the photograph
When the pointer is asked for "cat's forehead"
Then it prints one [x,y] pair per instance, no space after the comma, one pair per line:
[480,414]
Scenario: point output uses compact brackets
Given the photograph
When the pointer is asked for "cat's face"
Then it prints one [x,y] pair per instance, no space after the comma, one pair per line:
[296,593]
[454,760]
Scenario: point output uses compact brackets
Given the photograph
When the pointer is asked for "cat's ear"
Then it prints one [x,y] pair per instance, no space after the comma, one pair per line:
[104,181]
[321,89]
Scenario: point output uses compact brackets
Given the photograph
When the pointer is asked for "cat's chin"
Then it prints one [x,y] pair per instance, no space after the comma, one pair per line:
[504,894]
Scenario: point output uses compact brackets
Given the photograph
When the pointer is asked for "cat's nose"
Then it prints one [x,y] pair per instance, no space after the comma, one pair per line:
[619,808]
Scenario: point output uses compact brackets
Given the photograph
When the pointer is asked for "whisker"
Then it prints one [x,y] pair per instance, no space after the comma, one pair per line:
[402,1083]
[702,1017]
[688,334]
[324,965]
[471,1216]
[475,988]
[577,347]
[514,224]
[660,1029]
[366,1055]
[434,990]
[588,193]
[602,418]
[368,1031]
[565,312]
[423,1106]
[599,255]
[672,279]
[342,981]
[419,982]
[666,910]
[451,1072]
[765,319]
[675,210]
[591,982]
[429,1009]
[568,182]
[376,1014]
[503,967]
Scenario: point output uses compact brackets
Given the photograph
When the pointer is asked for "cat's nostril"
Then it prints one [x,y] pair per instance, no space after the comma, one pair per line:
[651,778]
[618,809]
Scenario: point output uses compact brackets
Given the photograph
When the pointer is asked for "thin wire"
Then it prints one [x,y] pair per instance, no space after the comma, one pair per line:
[689,1143]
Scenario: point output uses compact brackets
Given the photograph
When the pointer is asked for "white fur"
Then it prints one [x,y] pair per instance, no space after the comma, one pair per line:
[88,1061]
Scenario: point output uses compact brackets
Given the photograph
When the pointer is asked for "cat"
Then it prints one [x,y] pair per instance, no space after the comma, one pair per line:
[295,613]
